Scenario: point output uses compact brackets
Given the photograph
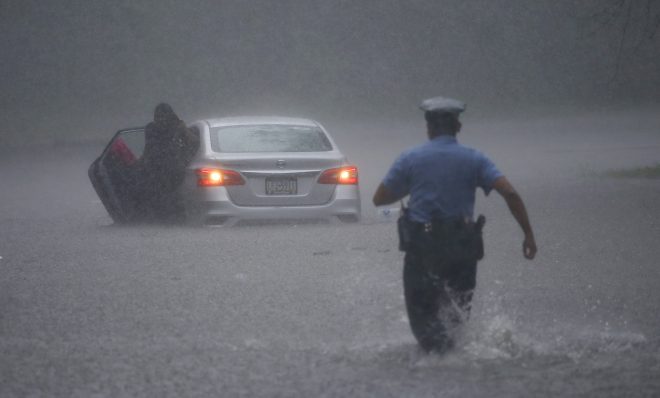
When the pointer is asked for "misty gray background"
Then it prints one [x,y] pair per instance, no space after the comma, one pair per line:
[78,70]
[558,93]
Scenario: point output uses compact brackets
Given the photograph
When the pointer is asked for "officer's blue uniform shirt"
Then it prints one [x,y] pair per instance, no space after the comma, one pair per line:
[441,177]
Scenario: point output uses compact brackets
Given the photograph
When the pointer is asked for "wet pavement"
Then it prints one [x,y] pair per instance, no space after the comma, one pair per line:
[92,309]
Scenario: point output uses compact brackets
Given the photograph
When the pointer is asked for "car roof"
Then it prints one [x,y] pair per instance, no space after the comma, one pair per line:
[248,120]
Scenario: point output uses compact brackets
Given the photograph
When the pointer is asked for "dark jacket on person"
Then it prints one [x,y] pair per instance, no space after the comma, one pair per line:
[169,147]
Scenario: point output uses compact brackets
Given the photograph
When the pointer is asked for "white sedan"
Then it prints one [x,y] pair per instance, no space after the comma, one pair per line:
[245,169]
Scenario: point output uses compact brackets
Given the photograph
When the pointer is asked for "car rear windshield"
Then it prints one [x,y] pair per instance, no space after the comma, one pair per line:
[269,138]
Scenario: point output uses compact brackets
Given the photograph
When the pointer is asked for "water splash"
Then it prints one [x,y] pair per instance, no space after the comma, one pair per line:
[495,334]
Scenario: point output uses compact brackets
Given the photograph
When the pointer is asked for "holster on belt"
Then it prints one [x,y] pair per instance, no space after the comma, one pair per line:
[458,239]
[406,229]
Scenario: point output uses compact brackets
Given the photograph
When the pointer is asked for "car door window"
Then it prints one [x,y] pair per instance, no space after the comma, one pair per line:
[126,147]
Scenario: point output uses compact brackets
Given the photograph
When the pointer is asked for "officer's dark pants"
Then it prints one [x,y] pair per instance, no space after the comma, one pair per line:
[438,292]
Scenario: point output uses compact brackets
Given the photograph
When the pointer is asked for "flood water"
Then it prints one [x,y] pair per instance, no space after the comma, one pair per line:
[91,309]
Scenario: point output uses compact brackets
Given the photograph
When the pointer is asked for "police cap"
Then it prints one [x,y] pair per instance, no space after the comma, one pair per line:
[442,105]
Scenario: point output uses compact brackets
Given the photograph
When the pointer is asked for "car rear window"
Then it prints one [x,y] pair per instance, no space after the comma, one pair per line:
[269,138]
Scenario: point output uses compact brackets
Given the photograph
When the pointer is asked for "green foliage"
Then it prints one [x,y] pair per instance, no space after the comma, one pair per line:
[639,172]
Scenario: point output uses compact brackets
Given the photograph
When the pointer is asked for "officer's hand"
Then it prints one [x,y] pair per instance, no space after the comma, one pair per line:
[529,247]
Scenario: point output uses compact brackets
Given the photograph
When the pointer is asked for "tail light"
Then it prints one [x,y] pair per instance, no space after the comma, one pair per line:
[347,175]
[218,178]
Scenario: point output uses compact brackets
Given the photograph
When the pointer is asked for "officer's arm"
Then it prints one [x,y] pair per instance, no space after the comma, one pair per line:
[517,208]
[384,196]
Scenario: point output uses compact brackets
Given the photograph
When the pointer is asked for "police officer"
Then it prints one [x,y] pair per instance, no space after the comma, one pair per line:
[437,231]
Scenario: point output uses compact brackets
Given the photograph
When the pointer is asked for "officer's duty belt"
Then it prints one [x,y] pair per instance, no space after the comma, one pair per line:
[440,225]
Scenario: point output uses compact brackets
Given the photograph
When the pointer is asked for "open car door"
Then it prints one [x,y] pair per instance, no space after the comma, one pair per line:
[115,174]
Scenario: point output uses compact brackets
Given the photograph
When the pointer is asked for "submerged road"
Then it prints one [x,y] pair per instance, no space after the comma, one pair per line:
[92,309]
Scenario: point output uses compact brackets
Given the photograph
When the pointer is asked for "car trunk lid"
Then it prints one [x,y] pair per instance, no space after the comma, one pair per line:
[283,179]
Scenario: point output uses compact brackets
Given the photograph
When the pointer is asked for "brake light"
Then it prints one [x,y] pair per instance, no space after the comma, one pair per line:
[342,175]
[218,178]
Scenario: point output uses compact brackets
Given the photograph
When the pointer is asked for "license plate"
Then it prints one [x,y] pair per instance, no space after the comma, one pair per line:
[281,186]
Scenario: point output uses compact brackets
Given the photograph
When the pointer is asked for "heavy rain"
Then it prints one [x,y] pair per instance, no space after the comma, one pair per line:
[563,96]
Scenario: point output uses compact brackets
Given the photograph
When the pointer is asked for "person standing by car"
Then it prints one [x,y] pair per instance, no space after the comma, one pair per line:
[169,147]
[437,232]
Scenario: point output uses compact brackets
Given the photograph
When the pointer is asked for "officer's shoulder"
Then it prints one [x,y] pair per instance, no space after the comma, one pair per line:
[414,151]
[471,152]
[408,151]
[468,149]
[478,155]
